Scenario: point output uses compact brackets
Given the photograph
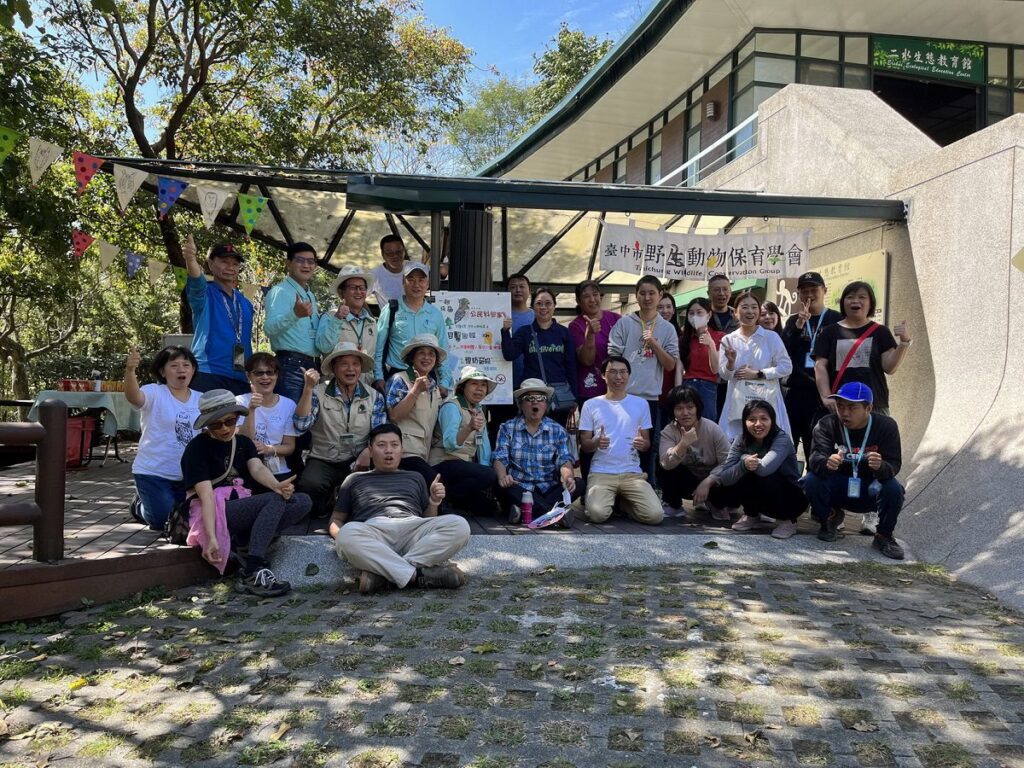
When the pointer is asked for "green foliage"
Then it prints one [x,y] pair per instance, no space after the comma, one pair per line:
[499,113]
[564,65]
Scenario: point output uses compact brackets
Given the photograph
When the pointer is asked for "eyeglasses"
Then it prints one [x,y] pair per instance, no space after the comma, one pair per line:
[228,423]
[533,399]
[396,252]
[265,372]
[355,288]
[304,260]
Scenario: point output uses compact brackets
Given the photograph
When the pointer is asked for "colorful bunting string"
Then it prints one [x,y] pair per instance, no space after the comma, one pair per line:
[108,253]
[211,201]
[250,208]
[168,191]
[127,181]
[156,268]
[41,155]
[135,261]
[80,241]
[180,276]
[8,138]
[85,168]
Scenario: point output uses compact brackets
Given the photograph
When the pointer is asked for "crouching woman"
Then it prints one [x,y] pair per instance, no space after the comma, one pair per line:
[221,469]
[760,473]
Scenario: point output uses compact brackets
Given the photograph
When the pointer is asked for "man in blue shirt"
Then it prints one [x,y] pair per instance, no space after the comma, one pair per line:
[221,319]
[415,316]
[293,320]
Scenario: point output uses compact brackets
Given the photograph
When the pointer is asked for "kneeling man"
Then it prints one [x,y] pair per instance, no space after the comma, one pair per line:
[855,457]
[385,523]
[616,428]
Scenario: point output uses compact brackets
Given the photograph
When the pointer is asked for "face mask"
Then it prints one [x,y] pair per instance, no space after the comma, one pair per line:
[697,321]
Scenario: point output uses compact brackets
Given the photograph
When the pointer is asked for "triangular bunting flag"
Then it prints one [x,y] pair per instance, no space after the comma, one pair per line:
[168,191]
[135,260]
[180,276]
[250,208]
[80,241]
[249,290]
[211,201]
[156,268]
[127,181]
[41,155]
[8,139]
[85,168]
[108,253]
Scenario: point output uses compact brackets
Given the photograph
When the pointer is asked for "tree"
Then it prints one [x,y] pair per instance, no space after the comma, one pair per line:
[499,113]
[562,66]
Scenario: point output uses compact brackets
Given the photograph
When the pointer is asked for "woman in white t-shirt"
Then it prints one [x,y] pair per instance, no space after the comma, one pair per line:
[269,423]
[169,410]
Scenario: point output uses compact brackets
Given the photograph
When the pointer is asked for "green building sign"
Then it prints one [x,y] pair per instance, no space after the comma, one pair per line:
[948,60]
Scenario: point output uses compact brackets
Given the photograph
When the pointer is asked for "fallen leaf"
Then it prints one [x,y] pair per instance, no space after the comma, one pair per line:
[820,581]
[36,659]
[622,702]
[78,682]
[552,663]
[710,545]
[282,729]
[713,741]
[186,682]
[488,646]
[752,737]
[456,661]
[863,726]
[536,667]
[633,735]
[4,730]
[312,569]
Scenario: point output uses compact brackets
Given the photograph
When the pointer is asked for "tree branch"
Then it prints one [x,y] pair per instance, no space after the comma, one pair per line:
[61,337]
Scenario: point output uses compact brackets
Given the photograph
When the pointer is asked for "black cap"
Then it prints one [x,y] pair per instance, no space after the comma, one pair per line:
[225,250]
[810,278]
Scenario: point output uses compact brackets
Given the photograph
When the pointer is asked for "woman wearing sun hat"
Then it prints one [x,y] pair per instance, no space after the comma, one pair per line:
[461,449]
[413,399]
[351,321]
[220,470]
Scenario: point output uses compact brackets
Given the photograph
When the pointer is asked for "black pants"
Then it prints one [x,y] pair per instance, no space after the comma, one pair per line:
[466,484]
[416,464]
[804,409]
[498,415]
[320,480]
[770,495]
[680,483]
[258,519]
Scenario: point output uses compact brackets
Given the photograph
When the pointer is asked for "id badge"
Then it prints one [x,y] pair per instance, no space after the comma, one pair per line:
[853,488]
[238,357]
[808,361]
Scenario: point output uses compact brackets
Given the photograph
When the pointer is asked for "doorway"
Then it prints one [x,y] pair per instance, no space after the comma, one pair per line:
[943,112]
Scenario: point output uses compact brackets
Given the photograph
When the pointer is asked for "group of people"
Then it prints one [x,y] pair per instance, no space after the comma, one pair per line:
[356,417]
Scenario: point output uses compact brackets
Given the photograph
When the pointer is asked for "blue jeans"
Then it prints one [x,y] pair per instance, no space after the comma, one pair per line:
[708,391]
[824,493]
[204,382]
[158,495]
[290,380]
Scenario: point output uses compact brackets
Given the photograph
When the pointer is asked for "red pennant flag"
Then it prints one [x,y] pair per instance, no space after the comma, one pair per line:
[80,241]
[85,168]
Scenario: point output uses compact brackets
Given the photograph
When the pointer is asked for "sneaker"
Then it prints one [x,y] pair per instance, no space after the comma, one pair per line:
[262,583]
[669,511]
[135,510]
[830,526]
[888,546]
[515,515]
[869,525]
[784,529]
[719,514]
[447,576]
[568,519]
[370,583]
[747,523]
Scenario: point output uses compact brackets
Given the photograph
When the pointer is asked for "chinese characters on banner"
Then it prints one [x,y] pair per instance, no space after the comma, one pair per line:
[675,256]
[474,323]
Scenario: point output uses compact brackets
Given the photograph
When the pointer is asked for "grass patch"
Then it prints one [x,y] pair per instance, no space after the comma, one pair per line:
[564,733]
[680,706]
[314,754]
[482,667]
[16,669]
[262,754]
[729,682]
[376,758]
[100,710]
[569,700]
[456,728]
[629,675]
[476,696]
[812,752]
[874,754]
[433,668]
[394,725]
[101,747]
[371,687]
[503,626]
[837,688]
[802,716]
[626,739]
[242,718]
[680,678]
[740,712]
[850,716]
[14,697]
[960,691]
[420,694]
[985,668]
[1015,650]
[768,635]
[626,704]
[505,732]
[682,743]
[944,756]
[901,691]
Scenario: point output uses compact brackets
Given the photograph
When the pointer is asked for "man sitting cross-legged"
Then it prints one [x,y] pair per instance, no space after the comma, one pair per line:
[385,523]
[616,427]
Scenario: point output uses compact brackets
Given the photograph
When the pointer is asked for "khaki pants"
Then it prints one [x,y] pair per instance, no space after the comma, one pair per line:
[394,546]
[636,495]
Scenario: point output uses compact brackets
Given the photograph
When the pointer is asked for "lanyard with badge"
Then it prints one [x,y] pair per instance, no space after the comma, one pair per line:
[853,484]
[312,315]
[238,351]
[808,360]
[358,334]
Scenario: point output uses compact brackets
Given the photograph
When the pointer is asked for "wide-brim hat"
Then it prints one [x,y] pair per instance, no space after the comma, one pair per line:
[424,340]
[472,373]
[532,385]
[341,349]
[347,273]
[217,403]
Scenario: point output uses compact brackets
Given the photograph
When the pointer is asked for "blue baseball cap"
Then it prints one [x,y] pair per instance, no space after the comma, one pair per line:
[855,392]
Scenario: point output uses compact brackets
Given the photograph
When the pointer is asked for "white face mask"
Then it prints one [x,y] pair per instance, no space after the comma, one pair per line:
[697,321]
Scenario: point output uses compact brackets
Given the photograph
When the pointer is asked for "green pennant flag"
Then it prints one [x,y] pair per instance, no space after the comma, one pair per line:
[250,208]
[180,276]
[8,139]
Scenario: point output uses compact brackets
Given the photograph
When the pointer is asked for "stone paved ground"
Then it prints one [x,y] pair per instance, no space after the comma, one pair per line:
[851,665]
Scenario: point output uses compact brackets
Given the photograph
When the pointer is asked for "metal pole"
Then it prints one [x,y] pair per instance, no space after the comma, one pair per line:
[436,244]
[51,456]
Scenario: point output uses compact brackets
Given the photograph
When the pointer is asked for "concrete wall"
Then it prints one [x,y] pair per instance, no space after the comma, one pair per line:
[956,394]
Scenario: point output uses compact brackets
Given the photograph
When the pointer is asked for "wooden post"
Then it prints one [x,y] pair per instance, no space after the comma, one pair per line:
[48,538]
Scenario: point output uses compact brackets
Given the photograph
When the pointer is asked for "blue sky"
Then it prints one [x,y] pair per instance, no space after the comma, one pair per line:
[505,35]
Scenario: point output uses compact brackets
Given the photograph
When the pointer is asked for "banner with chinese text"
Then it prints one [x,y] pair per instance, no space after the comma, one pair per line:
[474,324]
[946,59]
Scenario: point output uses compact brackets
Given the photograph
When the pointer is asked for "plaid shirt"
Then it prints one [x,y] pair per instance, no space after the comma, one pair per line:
[533,460]
[397,389]
[378,417]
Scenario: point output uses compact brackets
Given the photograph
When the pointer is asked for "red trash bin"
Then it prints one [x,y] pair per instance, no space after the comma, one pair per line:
[80,429]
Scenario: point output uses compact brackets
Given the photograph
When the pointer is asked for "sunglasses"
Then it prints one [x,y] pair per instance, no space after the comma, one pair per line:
[228,423]
[264,372]
[533,399]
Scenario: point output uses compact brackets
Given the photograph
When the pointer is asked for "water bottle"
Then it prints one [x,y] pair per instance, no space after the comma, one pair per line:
[526,507]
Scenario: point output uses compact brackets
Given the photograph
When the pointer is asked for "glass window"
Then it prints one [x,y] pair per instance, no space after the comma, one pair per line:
[1018,68]
[694,117]
[620,171]
[768,70]
[605,161]
[655,145]
[819,73]
[743,107]
[720,73]
[623,148]
[692,150]
[998,66]
[819,46]
[1018,102]
[856,77]
[745,50]
[743,77]
[855,50]
[638,138]
[654,171]
[772,42]
[998,101]
[677,109]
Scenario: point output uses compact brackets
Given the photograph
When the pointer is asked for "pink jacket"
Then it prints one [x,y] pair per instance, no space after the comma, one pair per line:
[197,531]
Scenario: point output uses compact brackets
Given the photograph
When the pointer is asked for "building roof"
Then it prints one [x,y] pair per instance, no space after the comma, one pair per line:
[679,41]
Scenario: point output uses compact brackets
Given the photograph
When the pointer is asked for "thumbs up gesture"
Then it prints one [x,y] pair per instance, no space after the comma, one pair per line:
[133,360]
[437,491]
[478,420]
[602,439]
[421,385]
[302,308]
[639,441]
[900,330]
[255,399]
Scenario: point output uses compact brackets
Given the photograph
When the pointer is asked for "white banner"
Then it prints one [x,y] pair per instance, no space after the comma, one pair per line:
[211,200]
[127,181]
[41,155]
[681,256]
[474,324]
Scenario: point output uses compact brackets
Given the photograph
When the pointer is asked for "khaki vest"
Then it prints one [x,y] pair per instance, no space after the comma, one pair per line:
[466,451]
[369,339]
[418,427]
[334,420]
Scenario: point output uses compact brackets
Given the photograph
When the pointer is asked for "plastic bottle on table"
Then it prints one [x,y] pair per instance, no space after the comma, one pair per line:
[526,507]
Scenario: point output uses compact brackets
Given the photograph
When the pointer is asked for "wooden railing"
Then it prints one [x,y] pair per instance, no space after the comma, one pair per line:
[46,513]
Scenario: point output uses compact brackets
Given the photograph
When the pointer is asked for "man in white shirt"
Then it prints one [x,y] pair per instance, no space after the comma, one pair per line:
[616,428]
[387,276]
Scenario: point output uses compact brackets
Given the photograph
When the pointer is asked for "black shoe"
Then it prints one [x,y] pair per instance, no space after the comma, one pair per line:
[447,576]
[888,546]
[135,510]
[262,583]
[371,583]
[567,519]
[830,526]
